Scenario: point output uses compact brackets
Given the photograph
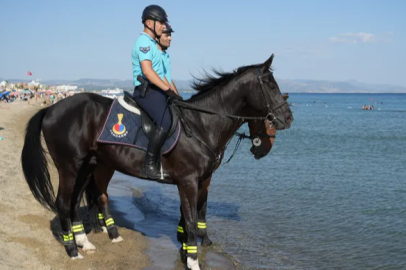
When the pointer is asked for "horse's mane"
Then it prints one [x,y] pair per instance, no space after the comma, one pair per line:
[220,78]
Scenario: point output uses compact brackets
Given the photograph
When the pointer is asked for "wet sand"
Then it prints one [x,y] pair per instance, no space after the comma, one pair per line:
[26,228]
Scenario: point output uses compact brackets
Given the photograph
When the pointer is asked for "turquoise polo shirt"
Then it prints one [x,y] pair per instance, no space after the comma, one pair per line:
[166,62]
[146,48]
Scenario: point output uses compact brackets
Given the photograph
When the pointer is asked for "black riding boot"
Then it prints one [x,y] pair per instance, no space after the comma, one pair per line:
[152,168]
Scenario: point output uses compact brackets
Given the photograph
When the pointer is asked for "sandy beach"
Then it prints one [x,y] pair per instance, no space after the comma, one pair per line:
[27,230]
[27,241]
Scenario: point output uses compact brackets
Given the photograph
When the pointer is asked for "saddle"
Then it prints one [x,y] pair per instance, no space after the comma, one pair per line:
[148,125]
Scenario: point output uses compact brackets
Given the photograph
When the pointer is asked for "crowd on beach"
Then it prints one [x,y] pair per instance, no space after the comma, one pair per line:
[48,97]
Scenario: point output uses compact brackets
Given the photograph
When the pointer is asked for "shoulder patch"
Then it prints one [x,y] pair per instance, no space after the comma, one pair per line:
[144,49]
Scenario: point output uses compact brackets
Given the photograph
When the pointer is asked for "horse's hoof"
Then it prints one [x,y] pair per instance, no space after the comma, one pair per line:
[89,248]
[206,242]
[118,239]
[104,229]
[77,257]
[193,264]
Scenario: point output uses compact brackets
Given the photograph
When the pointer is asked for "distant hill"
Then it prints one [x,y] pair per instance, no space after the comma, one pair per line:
[286,86]
[314,86]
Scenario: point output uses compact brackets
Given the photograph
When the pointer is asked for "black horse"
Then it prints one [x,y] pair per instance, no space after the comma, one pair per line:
[70,128]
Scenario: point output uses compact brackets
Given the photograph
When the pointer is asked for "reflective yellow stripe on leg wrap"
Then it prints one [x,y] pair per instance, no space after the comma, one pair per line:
[78,228]
[180,229]
[191,249]
[109,221]
[68,237]
[184,246]
[101,216]
[201,225]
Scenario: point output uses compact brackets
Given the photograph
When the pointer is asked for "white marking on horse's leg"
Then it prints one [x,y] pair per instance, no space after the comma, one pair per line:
[193,264]
[104,229]
[118,239]
[77,257]
[81,240]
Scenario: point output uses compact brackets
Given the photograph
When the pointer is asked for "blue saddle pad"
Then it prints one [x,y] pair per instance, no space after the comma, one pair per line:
[124,127]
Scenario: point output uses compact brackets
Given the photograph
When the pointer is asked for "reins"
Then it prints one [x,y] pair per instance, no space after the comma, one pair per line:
[185,105]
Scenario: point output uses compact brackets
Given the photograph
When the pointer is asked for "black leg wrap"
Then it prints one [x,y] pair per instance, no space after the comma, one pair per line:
[109,223]
[181,234]
[78,228]
[191,251]
[112,231]
[201,228]
[202,233]
[69,243]
[183,252]
[100,218]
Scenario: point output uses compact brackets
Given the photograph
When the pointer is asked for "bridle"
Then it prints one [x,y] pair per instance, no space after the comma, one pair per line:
[268,103]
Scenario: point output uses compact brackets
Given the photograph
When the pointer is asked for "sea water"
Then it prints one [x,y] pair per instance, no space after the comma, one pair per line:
[330,195]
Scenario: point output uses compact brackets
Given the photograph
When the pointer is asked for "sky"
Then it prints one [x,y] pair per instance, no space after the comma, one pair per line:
[313,40]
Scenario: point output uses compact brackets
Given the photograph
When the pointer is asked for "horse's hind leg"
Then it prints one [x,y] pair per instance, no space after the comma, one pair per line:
[102,176]
[65,207]
[70,192]
[78,229]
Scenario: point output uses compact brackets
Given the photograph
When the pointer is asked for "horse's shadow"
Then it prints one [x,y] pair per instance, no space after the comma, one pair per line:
[156,214]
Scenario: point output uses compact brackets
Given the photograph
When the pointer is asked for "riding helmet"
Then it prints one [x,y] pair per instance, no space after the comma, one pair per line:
[168,29]
[154,12]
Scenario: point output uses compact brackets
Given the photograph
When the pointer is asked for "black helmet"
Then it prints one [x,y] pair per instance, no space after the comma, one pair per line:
[154,12]
[168,29]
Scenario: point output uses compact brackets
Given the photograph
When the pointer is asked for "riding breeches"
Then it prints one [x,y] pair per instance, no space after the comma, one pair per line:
[155,105]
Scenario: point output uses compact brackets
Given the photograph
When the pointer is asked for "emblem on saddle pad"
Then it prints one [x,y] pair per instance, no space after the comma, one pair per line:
[119,130]
[144,49]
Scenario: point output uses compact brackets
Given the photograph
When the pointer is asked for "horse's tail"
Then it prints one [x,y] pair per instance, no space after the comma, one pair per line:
[35,164]
[92,196]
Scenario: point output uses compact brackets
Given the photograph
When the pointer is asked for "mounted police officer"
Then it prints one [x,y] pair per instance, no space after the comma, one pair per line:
[152,96]
[164,42]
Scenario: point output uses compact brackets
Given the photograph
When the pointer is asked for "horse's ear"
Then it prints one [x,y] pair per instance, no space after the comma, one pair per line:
[268,63]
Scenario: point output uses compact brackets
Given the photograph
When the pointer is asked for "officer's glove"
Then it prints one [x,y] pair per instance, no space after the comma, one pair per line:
[172,95]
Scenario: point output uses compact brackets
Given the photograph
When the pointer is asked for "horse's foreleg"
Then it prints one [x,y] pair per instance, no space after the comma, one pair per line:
[201,218]
[188,198]
[201,212]
[103,175]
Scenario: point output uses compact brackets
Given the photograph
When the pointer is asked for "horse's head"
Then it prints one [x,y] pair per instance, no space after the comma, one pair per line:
[264,97]
[262,135]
